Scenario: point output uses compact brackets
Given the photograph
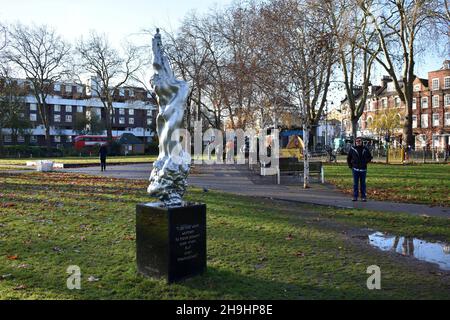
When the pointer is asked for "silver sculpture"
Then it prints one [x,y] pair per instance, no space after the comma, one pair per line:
[170,170]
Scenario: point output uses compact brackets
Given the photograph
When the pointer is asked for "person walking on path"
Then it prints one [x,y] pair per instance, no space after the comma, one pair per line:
[357,159]
[103,152]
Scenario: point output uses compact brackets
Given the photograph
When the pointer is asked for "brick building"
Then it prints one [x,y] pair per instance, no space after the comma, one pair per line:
[431,108]
[134,112]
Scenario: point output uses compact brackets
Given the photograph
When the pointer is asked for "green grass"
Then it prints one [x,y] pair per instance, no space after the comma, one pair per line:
[12,167]
[421,183]
[257,249]
[81,160]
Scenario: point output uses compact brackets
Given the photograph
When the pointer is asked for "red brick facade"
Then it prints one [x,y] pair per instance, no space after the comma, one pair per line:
[431,107]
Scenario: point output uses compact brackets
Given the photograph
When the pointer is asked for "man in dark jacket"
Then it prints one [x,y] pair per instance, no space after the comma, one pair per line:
[358,158]
[103,152]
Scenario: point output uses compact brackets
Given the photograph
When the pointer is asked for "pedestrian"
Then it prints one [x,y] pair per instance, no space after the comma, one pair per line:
[103,152]
[358,158]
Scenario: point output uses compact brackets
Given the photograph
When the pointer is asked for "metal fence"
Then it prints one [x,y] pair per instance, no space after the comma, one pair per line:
[399,155]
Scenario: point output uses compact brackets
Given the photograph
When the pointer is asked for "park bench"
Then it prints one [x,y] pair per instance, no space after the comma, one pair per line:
[291,166]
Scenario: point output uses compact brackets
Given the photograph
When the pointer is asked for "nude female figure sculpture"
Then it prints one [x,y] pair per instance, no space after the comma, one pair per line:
[170,170]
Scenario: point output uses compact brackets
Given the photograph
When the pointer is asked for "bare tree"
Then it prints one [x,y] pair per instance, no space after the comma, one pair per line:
[399,25]
[356,53]
[111,68]
[190,58]
[307,45]
[43,57]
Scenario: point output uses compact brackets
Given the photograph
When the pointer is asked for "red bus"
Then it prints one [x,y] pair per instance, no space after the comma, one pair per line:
[88,141]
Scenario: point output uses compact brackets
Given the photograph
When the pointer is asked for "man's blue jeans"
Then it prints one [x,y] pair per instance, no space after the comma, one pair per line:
[359,179]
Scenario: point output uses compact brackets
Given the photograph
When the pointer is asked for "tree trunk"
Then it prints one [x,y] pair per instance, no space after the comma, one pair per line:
[108,120]
[408,135]
[305,157]
[312,141]
[1,143]
[48,140]
[354,127]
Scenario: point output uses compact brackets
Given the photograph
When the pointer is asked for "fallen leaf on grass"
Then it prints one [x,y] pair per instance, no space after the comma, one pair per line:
[262,259]
[20,287]
[5,276]
[7,205]
[93,279]
[128,238]
[299,254]
[14,257]
[23,266]
[289,237]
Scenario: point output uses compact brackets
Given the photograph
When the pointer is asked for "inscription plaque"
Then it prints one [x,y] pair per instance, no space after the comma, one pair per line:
[171,241]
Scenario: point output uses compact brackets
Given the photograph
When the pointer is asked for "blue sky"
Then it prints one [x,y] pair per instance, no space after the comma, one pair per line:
[127,18]
[118,19]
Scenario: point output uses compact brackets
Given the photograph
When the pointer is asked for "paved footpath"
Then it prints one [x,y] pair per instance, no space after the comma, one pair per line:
[237,179]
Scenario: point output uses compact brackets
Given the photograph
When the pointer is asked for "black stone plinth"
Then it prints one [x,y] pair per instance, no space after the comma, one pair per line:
[171,241]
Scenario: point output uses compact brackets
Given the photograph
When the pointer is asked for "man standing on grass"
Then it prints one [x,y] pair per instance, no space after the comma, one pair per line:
[358,158]
[103,151]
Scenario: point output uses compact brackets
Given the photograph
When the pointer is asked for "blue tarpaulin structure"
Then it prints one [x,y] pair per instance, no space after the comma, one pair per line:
[284,136]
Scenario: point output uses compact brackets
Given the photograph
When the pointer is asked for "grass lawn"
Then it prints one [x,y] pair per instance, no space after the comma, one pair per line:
[12,167]
[81,160]
[257,249]
[421,183]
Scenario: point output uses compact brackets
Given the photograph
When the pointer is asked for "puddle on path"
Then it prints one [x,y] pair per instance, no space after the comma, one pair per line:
[434,252]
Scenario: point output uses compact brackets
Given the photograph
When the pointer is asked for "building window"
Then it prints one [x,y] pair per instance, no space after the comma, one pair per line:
[130,120]
[57,118]
[20,139]
[384,103]
[68,138]
[57,138]
[7,138]
[121,92]
[68,118]
[33,117]
[414,103]
[121,120]
[57,108]
[33,139]
[131,112]
[435,101]
[435,120]
[417,87]
[33,107]
[414,121]
[121,111]
[79,89]
[424,102]
[69,109]
[131,93]
[447,100]
[97,112]
[56,87]
[68,88]
[447,119]
[149,121]
[424,121]
[446,82]
[80,109]
[397,102]
[435,84]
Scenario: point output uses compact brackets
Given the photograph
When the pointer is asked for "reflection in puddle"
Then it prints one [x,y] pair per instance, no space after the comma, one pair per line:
[435,252]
